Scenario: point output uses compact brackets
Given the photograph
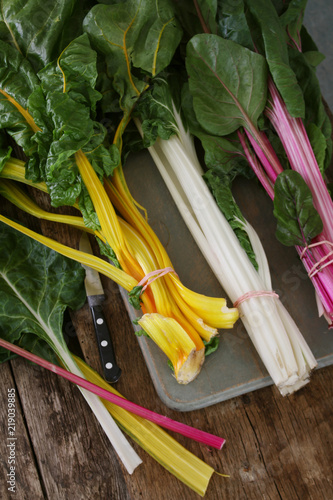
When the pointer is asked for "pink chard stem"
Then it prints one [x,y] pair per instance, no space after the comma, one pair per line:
[317,259]
[185,430]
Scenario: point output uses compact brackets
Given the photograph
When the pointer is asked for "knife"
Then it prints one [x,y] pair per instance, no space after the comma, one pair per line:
[95,296]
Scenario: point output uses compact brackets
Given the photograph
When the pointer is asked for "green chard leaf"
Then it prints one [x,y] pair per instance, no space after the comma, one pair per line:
[292,20]
[156,112]
[274,41]
[232,23]
[17,81]
[223,155]
[227,83]
[36,286]
[5,150]
[106,250]
[211,346]
[319,145]
[39,31]
[68,86]
[298,222]
[221,189]
[196,17]
[134,297]
[137,40]
[206,12]
[87,209]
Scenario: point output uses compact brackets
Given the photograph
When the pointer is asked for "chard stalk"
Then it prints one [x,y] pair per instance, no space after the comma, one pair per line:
[75,378]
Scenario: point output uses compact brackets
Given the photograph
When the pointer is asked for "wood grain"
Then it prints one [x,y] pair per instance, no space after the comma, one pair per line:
[27,477]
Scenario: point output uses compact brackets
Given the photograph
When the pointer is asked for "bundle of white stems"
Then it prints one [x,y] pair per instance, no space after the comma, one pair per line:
[277,339]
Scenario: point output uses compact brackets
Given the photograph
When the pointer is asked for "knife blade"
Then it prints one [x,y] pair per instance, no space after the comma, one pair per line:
[95,297]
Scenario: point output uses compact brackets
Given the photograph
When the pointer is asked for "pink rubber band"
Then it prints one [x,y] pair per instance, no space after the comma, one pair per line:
[317,267]
[154,275]
[251,295]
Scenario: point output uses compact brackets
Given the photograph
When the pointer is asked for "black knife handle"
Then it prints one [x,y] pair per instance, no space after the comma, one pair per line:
[110,368]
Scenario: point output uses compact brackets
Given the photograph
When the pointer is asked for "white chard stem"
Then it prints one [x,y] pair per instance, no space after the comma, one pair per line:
[124,450]
[276,337]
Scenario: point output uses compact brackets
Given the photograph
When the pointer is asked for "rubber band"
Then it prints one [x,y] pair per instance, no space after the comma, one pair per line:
[154,275]
[317,267]
[252,294]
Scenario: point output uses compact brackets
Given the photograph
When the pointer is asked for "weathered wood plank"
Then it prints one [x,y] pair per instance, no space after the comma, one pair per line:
[19,472]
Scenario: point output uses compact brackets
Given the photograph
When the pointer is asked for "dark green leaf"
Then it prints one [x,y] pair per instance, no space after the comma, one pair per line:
[106,250]
[292,20]
[227,83]
[141,333]
[74,72]
[211,346]
[36,286]
[39,31]
[5,150]
[87,210]
[17,82]
[274,39]
[221,189]
[69,107]
[297,220]
[156,112]
[134,34]
[188,17]
[206,12]
[314,58]
[318,143]
[134,297]
[232,23]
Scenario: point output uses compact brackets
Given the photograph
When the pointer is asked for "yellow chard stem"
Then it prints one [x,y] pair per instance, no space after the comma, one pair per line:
[213,311]
[14,169]
[18,197]
[119,276]
[24,112]
[165,303]
[107,216]
[189,469]
[176,344]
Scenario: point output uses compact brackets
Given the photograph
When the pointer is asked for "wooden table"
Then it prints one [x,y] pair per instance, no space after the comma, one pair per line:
[277,448]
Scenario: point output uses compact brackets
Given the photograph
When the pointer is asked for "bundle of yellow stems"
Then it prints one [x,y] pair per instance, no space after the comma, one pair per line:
[176,318]
[139,252]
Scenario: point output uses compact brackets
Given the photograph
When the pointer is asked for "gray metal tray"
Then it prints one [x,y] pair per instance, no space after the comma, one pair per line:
[235,368]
